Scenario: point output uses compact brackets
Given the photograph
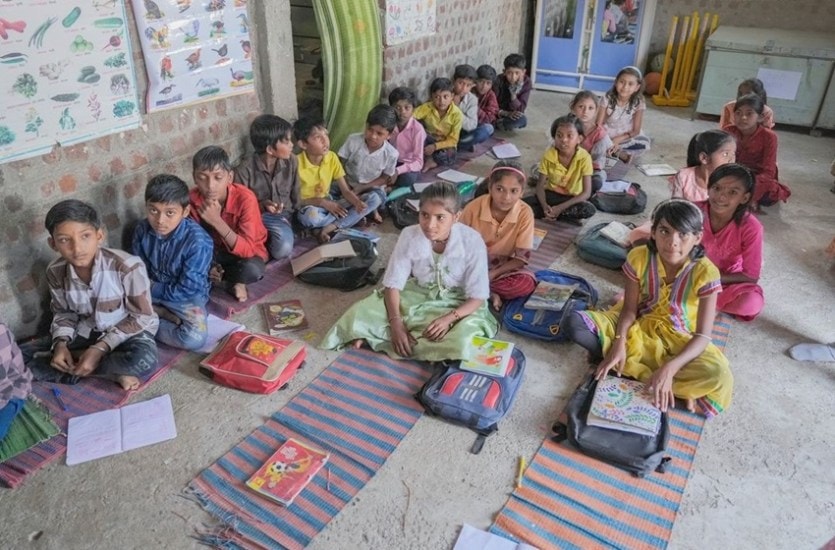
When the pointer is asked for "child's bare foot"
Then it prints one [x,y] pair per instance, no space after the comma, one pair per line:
[624,157]
[376,217]
[496,300]
[691,405]
[239,292]
[324,234]
[428,165]
[128,383]
[358,343]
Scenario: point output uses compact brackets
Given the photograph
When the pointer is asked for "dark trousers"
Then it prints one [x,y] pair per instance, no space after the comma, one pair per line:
[240,270]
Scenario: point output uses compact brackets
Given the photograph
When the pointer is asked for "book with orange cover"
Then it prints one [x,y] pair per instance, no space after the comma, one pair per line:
[286,473]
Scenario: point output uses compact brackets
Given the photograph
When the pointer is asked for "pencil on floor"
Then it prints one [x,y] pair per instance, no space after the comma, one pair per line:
[520,472]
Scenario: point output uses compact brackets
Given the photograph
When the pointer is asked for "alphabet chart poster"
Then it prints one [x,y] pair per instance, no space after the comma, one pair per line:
[409,19]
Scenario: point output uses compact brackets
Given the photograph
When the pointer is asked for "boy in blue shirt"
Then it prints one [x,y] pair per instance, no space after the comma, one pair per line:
[178,255]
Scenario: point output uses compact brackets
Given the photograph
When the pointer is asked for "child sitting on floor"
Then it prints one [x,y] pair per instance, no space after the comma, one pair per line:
[506,224]
[272,173]
[472,131]
[442,120]
[103,321]
[229,212]
[747,86]
[733,240]
[564,184]
[596,139]
[15,380]
[622,113]
[512,89]
[369,160]
[488,105]
[756,148]
[660,332]
[177,253]
[319,167]
[435,289]
[407,137]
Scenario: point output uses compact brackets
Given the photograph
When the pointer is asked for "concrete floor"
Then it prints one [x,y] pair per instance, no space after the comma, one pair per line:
[763,475]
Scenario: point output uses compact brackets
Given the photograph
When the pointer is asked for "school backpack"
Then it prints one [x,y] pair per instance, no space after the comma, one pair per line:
[636,453]
[545,324]
[401,213]
[477,401]
[346,273]
[598,250]
[631,201]
[254,363]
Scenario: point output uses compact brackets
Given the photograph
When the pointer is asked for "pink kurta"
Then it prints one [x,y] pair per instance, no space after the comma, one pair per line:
[685,185]
[759,153]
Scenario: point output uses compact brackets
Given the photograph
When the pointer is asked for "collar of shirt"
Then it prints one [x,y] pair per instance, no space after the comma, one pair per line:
[486,215]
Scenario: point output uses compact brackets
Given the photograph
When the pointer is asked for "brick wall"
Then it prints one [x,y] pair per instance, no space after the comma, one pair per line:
[110,173]
[469,31]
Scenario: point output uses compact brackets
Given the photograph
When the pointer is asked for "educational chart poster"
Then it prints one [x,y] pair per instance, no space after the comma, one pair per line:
[194,50]
[409,19]
[66,74]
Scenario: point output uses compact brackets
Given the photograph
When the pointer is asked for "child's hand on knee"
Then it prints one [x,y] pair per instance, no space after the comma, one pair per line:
[62,359]
[89,361]
[661,386]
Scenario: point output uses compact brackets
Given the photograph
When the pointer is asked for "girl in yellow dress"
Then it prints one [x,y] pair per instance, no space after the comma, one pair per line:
[660,332]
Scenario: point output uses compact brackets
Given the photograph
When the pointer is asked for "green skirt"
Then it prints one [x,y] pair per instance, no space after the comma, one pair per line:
[367,320]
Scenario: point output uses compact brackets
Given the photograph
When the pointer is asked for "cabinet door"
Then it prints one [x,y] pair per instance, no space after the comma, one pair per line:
[614,41]
[558,43]
[826,118]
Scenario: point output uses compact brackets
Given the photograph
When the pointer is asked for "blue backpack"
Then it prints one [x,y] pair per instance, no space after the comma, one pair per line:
[472,399]
[598,250]
[544,324]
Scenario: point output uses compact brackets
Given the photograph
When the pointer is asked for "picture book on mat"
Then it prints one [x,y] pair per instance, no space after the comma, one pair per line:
[488,356]
[538,237]
[286,473]
[284,316]
[626,405]
[550,296]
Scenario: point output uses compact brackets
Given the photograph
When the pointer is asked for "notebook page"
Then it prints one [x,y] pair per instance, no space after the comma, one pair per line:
[93,436]
[147,423]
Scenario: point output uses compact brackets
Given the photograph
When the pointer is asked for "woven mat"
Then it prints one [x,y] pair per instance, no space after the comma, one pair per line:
[88,396]
[569,500]
[32,425]
[277,274]
[358,410]
[560,235]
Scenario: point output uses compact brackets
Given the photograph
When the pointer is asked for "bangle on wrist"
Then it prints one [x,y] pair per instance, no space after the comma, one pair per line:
[228,231]
[456,314]
[101,348]
[619,337]
[395,318]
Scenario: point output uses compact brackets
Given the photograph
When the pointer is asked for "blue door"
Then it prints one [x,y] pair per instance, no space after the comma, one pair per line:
[560,38]
[614,43]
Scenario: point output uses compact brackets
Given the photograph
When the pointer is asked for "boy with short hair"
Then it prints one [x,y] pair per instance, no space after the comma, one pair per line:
[178,254]
[512,88]
[103,322]
[488,105]
[472,132]
[272,173]
[442,120]
[230,213]
[369,160]
[319,167]
[407,137]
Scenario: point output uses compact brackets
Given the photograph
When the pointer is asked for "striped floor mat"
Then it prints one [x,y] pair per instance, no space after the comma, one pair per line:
[88,396]
[570,501]
[358,409]
[556,241]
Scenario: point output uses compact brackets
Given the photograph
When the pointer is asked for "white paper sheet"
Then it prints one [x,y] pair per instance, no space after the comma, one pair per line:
[614,186]
[454,176]
[419,187]
[114,431]
[780,84]
[218,329]
[506,151]
[471,538]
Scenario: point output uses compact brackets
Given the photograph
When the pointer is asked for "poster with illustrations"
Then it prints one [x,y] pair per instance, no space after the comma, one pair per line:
[67,74]
[194,50]
[409,19]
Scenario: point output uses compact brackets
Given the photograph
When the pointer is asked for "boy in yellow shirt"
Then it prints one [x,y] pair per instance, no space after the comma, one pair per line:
[442,119]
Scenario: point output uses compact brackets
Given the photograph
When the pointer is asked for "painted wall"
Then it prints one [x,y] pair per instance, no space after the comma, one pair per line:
[810,15]
[469,31]
[110,173]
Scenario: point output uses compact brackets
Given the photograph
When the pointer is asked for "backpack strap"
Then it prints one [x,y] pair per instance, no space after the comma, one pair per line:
[560,432]
[478,444]
[661,468]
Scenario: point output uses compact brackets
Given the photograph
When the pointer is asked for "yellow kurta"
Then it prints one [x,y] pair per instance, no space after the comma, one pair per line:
[666,319]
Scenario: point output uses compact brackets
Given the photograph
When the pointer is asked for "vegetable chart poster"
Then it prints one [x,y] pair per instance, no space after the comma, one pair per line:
[194,50]
[67,74]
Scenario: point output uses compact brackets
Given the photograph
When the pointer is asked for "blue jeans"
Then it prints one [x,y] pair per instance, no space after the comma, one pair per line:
[480,134]
[406,179]
[315,217]
[507,123]
[136,356]
[192,331]
[280,234]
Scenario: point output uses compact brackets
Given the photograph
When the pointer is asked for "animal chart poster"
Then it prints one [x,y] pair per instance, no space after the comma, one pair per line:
[409,19]
[67,74]
[194,50]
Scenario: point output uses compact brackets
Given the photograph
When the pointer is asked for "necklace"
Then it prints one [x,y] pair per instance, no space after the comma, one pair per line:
[442,241]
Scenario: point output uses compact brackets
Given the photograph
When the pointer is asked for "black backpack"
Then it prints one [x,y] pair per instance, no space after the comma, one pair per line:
[631,201]
[403,215]
[635,453]
[346,273]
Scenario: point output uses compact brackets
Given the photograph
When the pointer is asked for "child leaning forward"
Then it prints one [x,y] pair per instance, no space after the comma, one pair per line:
[435,288]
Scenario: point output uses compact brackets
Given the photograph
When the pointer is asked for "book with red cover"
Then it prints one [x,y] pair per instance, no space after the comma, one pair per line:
[286,473]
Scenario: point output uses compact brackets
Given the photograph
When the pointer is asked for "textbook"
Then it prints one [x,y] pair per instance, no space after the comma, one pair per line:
[625,405]
[323,253]
[348,232]
[506,150]
[550,296]
[284,316]
[454,176]
[414,204]
[657,169]
[286,473]
[617,232]
[488,356]
[115,431]
[538,237]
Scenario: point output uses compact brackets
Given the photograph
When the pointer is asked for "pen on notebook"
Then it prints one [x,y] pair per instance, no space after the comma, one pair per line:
[520,471]
[57,393]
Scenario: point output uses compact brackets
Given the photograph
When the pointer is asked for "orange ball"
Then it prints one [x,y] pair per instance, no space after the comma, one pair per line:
[652,83]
